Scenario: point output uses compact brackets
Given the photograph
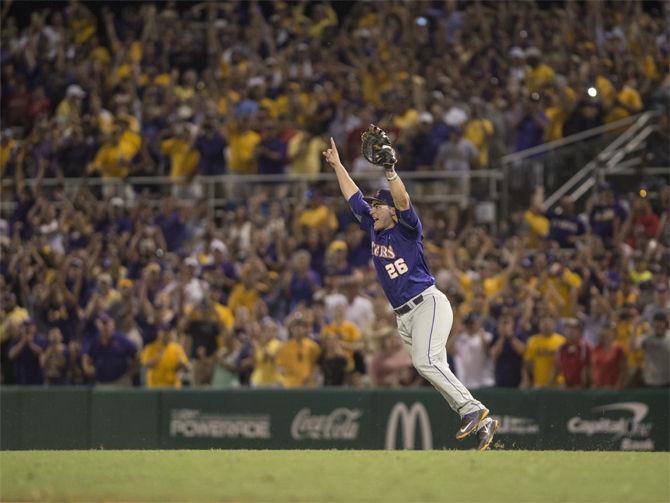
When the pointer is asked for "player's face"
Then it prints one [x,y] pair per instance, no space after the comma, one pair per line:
[383,216]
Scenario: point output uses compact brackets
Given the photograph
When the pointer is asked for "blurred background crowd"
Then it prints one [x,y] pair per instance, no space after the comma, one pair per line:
[137,287]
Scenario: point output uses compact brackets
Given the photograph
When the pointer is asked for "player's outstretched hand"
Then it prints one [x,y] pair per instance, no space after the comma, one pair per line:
[332,155]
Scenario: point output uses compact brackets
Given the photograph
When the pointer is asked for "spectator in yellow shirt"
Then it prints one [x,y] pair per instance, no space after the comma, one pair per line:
[242,141]
[627,102]
[265,353]
[164,359]
[540,355]
[304,153]
[562,99]
[535,219]
[69,109]
[539,74]
[183,157]
[7,145]
[348,335]
[245,293]
[109,160]
[318,215]
[297,358]
[479,131]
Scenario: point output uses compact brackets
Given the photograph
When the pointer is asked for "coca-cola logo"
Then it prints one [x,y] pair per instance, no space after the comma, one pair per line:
[340,424]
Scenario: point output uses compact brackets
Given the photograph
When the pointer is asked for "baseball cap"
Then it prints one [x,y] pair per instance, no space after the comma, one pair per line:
[338,245]
[218,245]
[516,52]
[382,196]
[471,317]
[76,91]
[533,52]
[426,117]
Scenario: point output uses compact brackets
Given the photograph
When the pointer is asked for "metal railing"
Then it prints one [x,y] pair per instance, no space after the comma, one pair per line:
[595,170]
[568,140]
[217,190]
[552,164]
[492,185]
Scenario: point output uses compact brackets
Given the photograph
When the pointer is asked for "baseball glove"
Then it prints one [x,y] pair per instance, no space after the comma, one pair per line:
[376,147]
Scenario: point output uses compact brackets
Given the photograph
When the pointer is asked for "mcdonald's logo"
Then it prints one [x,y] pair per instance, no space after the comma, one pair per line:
[400,414]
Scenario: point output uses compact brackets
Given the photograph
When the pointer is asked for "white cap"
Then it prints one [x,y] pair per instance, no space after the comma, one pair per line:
[184,112]
[191,262]
[516,52]
[426,117]
[117,201]
[219,245]
[533,52]
[76,91]
[256,81]
[455,116]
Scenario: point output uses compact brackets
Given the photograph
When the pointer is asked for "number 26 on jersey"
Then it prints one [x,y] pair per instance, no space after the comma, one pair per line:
[396,268]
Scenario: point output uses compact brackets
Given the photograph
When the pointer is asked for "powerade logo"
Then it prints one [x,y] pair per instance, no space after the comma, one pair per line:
[630,428]
[192,423]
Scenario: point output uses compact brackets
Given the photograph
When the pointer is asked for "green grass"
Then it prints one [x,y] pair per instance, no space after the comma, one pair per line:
[334,476]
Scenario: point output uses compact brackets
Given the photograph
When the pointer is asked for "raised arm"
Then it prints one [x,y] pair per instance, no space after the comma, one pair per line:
[347,185]
[398,191]
[378,150]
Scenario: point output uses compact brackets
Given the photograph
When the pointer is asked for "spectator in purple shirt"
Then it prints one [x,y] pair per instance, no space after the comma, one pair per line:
[271,151]
[533,124]
[172,224]
[25,352]
[110,358]
[211,145]
[507,350]
[358,247]
[301,281]
[607,215]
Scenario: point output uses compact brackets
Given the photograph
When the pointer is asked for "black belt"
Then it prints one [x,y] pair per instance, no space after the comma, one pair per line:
[406,308]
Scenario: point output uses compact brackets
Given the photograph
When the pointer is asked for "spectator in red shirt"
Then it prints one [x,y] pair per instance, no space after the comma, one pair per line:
[39,103]
[642,217]
[608,360]
[574,357]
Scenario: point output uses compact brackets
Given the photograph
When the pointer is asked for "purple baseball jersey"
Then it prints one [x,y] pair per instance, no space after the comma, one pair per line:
[397,253]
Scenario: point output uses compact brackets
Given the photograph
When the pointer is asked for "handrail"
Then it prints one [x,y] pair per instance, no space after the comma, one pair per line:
[603,157]
[247,179]
[583,135]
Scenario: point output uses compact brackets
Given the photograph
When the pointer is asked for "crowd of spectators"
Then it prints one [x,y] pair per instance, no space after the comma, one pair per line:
[132,289]
[281,293]
[148,90]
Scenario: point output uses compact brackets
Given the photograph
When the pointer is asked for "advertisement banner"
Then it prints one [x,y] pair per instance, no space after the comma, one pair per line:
[267,419]
[624,421]
[421,419]
[84,418]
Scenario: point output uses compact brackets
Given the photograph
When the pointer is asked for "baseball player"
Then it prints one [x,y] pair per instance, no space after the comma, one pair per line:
[423,313]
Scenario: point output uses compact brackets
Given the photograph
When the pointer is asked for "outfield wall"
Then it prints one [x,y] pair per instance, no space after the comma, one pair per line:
[88,418]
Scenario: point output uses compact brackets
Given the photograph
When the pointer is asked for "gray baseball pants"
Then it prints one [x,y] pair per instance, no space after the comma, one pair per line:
[424,330]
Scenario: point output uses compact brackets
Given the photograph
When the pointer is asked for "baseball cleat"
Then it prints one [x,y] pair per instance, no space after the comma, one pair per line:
[470,422]
[486,434]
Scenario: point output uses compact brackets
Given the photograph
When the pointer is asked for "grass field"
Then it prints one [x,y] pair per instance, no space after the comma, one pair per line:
[334,476]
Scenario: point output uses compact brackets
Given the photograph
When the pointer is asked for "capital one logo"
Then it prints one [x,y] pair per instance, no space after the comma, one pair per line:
[631,426]
[407,418]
